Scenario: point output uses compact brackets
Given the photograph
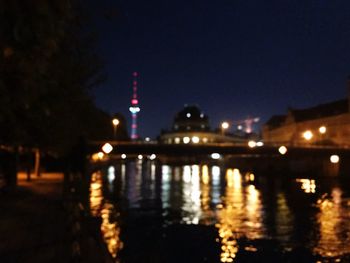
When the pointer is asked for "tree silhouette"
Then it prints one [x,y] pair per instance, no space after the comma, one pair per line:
[47,68]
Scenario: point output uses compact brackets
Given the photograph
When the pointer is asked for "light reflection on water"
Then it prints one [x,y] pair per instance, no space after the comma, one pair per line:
[99,207]
[238,206]
[334,224]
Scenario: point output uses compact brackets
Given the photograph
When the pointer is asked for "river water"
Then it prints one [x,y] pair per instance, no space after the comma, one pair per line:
[152,212]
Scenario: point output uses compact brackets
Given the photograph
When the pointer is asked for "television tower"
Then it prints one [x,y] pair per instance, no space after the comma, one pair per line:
[134,108]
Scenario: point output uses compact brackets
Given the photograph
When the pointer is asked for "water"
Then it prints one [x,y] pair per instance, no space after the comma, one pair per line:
[209,213]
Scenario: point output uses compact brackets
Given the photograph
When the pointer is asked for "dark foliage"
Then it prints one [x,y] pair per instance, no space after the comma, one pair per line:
[47,68]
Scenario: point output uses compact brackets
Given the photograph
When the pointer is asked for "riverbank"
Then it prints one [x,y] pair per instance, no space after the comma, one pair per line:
[38,225]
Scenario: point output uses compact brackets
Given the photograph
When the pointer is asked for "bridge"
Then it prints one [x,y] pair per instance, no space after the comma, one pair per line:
[242,149]
[307,158]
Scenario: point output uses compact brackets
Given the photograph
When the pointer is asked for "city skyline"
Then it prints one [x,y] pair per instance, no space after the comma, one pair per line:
[233,59]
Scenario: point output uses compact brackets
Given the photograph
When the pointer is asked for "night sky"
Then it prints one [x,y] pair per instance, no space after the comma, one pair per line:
[233,58]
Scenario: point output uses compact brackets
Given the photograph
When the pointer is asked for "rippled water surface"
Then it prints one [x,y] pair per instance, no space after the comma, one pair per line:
[215,213]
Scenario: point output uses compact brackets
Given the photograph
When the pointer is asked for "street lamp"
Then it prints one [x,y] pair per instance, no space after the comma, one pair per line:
[322,129]
[308,135]
[115,123]
[224,126]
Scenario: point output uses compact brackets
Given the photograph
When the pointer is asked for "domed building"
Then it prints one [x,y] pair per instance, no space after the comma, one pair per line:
[191,126]
[191,119]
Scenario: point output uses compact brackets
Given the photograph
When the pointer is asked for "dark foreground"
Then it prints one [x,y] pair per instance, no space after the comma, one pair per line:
[38,225]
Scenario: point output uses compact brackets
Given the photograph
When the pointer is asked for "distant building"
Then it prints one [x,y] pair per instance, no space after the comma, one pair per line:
[191,126]
[325,124]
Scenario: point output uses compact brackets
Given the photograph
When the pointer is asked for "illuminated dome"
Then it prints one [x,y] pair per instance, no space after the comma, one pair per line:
[191,118]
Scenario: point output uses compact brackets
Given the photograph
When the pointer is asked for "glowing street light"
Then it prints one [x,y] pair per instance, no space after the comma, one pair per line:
[107,148]
[282,150]
[224,126]
[186,140]
[307,135]
[322,129]
[251,144]
[334,158]
[195,139]
[115,123]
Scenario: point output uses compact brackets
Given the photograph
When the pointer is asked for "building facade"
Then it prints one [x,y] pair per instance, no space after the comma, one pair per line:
[325,124]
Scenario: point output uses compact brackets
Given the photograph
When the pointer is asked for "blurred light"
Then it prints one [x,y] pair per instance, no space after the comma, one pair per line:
[307,185]
[195,139]
[225,125]
[107,148]
[205,139]
[205,174]
[250,177]
[215,171]
[96,195]
[215,156]
[111,169]
[177,140]
[153,156]
[282,150]
[115,122]
[251,144]
[322,129]
[134,109]
[259,144]
[186,175]
[111,174]
[147,139]
[165,169]
[139,157]
[110,230]
[123,156]
[239,127]
[186,140]
[334,158]
[188,115]
[308,135]
[229,177]
[97,156]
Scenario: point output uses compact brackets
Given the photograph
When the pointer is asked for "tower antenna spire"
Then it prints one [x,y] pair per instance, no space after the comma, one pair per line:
[134,108]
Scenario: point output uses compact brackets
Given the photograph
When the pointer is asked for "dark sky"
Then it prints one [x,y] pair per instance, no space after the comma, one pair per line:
[234,58]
